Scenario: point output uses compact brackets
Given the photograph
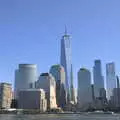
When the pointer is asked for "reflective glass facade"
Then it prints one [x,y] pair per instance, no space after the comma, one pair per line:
[98,78]
[66,62]
[110,79]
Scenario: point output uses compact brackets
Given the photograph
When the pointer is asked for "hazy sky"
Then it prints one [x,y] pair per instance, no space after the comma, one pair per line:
[31,30]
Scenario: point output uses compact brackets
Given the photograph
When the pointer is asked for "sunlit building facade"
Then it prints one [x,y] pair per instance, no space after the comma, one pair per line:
[110,79]
[59,74]
[5,95]
[47,82]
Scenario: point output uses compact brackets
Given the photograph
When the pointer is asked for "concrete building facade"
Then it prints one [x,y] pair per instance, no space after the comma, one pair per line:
[25,77]
[5,95]
[32,99]
[59,74]
[47,82]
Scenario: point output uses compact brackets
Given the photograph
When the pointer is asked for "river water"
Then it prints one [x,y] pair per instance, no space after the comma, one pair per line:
[60,117]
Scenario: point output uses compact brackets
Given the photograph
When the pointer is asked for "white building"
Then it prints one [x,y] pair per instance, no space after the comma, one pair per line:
[59,74]
[84,89]
[32,99]
[25,77]
[75,91]
[47,83]
[110,79]
[5,95]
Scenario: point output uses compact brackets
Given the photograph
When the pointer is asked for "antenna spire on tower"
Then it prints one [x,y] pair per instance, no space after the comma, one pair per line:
[65,30]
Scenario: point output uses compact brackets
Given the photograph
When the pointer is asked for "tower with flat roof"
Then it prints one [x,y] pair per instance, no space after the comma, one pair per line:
[25,77]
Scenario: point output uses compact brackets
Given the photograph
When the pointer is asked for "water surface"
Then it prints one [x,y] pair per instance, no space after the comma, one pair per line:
[60,117]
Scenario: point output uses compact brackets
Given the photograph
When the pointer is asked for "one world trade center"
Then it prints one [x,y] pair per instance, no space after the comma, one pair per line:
[66,62]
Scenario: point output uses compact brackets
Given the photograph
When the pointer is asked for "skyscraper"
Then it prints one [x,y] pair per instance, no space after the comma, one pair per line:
[116,94]
[84,89]
[59,74]
[66,62]
[25,77]
[92,89]
[98,78]
[48,84]
[110,79]
[72,87]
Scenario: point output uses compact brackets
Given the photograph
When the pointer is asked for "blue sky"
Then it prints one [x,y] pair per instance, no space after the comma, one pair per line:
[30,32]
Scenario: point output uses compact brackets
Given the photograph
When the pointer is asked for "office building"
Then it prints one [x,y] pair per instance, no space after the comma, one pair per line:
[32,99]
[75,92]
[98,78]
[25,77]
[110,79]
[72,87]
[92,89]
[59,74]
[66,62]
[103,93]
[47,82]
[115,101]
[84,89]
[5,95]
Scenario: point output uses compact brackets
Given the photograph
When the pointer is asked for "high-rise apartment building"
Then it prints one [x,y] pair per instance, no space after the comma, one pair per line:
[47,82]
[59,74]
[5,95]
[110,79]
[66,62]
[25,77]
[84,89]
[98,78]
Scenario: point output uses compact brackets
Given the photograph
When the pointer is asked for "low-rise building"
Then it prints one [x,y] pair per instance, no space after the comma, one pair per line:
[32,99]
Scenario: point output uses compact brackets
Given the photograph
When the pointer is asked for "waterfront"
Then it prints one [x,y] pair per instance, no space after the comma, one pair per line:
[61,117]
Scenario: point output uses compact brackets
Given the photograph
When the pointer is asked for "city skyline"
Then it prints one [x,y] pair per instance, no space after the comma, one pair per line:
[28,36]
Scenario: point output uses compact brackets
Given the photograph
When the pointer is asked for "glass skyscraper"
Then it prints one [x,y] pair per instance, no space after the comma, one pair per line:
[67,64]
[110,79]
[84,88]
[98,78]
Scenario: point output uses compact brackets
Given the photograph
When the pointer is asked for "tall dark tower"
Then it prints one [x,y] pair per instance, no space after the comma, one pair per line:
[118,83]
[118,91]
